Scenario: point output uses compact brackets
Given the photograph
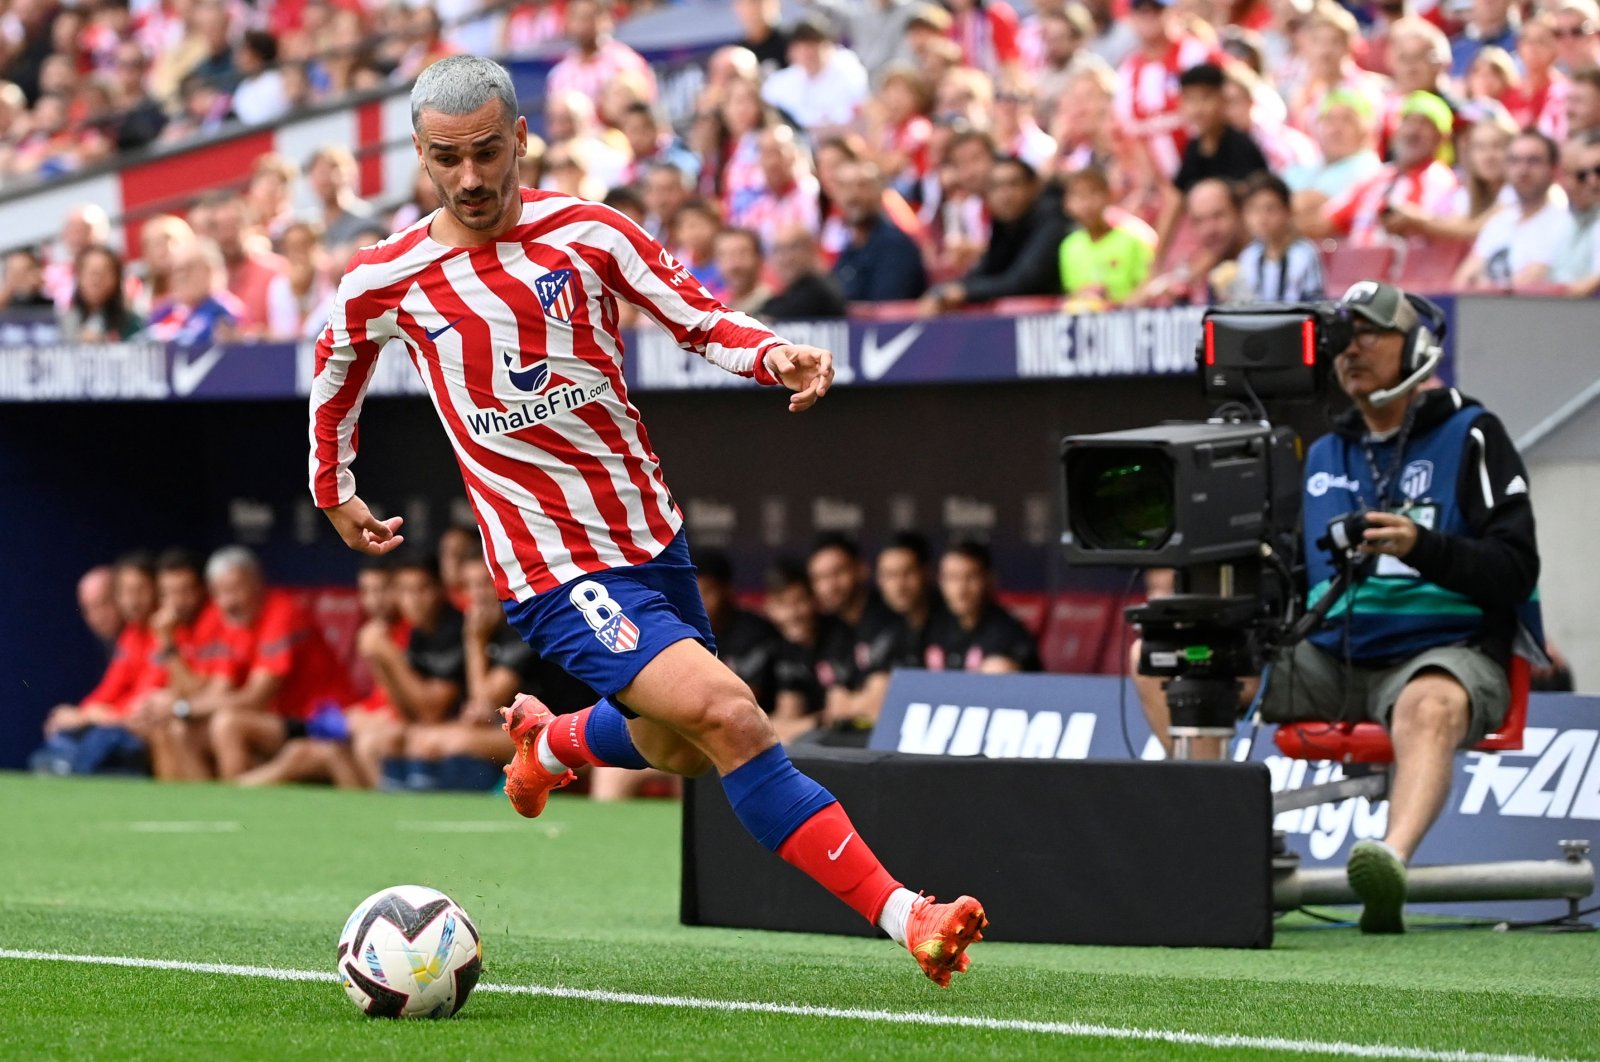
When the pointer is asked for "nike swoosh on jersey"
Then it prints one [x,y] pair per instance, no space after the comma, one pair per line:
[877,360]
[435,333]
[834,855]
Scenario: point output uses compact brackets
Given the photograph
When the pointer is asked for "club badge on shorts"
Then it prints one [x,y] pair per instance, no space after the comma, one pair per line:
[604,616]
[619,634]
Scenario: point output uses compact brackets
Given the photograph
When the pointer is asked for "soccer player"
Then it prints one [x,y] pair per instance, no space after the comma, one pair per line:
[506,299]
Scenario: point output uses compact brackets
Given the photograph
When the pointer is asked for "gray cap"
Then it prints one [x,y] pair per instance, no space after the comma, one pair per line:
[1383,304]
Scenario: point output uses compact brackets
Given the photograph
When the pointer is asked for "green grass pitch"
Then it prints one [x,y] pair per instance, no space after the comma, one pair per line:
[586,898]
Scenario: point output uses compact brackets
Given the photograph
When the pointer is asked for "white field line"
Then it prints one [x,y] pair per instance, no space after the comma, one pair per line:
[888,1017]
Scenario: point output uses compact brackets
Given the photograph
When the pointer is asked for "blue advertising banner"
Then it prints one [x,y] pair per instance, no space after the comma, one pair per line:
[1508,805]
[964,348]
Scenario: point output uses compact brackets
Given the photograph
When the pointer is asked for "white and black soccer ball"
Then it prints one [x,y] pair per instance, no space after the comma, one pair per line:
[409,952]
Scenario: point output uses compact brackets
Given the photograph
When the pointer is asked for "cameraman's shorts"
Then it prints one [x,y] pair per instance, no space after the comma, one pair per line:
[1308,684]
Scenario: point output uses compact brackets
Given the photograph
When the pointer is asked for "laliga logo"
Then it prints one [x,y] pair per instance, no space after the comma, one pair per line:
[1321,483]
[532,378]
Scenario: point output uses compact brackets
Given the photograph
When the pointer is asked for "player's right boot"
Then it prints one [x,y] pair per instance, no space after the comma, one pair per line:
[937,935]
[528,782]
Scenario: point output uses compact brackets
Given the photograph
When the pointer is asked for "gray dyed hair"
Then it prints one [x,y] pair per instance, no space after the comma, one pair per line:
[228,558]
[460,84]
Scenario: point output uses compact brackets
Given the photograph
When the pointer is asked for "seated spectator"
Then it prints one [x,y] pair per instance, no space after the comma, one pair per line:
[259,97]
[1329,38]
[97,604]
[268,677]
[98,732]
[425,681]
[1015,130]
[961,229]
[1278,265]
[744,116]
[85,226]
[1022,258]
[817,647]
[1494,83]
[270,193]
[1102,262]
[694,240]
[596,57]
[99,311]
[880,263]
[200,311]
[140,117]
[574,127]
[1210,268]
[1544,86]
[1367,213]
[1419,56]
[625,201]
[652,146]
[1063,36]
[1214,150]
[974,632]
[1577,34]
[1583,100]
[1519,243]
[425,197]
[205,109]
[331,174]
[842,591]
[460,548]
[247,255]
[299,299]
[739,260]
[824,83]
[667,187]
[1483,192]
[898,127]
[904,579]
[159,241]
[1489,24]
[465,751]
[806,292]
[1577,258]
[789,192]
[24,281]
[567,170]
[185,630]
[1254,108]
[1345,134]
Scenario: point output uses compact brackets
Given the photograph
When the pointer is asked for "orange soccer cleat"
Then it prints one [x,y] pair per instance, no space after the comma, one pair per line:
[528,782]
[938,934]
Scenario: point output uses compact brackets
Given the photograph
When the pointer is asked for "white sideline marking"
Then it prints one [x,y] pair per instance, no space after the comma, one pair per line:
[891,1017]
[459,826]
[183,826]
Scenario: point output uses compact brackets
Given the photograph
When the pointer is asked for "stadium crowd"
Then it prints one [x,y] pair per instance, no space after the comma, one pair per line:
[214,674]
[1119,152]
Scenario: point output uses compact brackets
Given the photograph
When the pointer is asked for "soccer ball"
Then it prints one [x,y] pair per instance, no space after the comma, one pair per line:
[409,952]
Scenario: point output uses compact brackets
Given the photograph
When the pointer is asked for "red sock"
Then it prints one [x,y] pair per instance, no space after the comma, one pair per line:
[569,743]
[827,847]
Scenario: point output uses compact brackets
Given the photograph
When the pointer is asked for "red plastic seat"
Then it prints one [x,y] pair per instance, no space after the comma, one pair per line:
[1074,632]
[1430,265]
[1346,265]
[1369,742]
[1030,609]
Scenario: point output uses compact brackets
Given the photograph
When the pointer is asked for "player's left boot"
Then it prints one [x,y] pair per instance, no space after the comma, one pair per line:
[937,935]
[1378,876]
[528,782]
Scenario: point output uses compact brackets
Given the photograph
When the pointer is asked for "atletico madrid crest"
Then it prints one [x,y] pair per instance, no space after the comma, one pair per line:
[555,294]
[618,634]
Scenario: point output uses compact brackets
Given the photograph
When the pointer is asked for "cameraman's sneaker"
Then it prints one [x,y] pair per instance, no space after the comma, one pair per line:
[1378,876]
[528,782]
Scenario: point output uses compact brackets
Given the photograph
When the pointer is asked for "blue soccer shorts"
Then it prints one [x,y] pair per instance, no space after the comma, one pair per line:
[603,628]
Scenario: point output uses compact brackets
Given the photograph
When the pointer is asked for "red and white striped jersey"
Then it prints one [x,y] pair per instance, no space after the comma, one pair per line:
[1146,100]
[518,345]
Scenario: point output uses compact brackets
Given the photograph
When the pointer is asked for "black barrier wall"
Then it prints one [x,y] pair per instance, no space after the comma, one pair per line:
[81,484]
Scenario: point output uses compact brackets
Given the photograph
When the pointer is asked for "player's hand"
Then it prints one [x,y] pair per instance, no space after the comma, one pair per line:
[364,532]
[1389,535]
[807,371]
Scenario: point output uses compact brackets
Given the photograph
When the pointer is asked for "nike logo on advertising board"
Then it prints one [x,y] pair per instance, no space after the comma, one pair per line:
[834,855]
[435,333]
[877,360]
[188,373]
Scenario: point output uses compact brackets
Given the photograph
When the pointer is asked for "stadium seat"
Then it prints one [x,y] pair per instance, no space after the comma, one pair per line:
[1075,632]
[1431,266]
[1029,609]
[1345,265]
[1369,742]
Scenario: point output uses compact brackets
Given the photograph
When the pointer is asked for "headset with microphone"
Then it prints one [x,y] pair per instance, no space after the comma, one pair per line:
[1421,352]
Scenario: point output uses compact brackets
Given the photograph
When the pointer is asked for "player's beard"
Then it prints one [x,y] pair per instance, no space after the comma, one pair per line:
[503,199]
